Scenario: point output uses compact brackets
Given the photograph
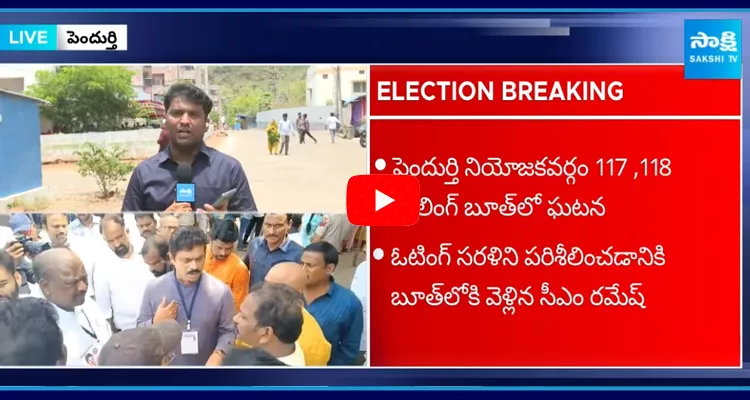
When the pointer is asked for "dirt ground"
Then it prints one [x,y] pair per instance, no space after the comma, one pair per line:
[312,178]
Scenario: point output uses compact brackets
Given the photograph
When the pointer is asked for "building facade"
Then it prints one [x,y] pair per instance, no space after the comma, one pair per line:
[21,148]
[321,83]
[18,77]
[155,80]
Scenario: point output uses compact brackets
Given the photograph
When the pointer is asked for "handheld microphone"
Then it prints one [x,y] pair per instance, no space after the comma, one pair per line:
[185,187]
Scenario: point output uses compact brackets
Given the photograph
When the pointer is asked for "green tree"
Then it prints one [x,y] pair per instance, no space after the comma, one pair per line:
[85,98]
[105,165]
[265,102]
[292,94]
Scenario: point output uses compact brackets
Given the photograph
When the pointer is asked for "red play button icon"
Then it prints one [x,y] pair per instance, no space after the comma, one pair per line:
[383,200]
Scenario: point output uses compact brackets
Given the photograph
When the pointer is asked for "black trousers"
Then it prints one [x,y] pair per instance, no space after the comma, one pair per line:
[302,137]
[253,227]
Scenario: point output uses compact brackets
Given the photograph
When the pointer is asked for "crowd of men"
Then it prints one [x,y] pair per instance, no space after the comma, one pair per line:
[148,290]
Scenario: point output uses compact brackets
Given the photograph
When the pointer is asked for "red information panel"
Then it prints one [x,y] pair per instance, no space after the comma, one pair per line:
[589,233]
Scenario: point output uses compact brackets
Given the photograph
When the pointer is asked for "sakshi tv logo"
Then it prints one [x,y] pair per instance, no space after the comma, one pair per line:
[713,49]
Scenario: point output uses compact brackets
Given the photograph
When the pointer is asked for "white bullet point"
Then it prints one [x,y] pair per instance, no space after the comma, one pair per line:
[378,254]
[379,164]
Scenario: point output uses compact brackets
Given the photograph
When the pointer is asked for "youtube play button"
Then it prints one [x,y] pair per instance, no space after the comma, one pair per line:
[383,200]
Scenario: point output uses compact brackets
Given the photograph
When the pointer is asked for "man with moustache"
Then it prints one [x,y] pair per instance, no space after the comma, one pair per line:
[201,303]
[152,185]
[273,248]
[63,282]
[120,291]
[147,225]
[336,308]
[57,228]
[155,253]
[222,263]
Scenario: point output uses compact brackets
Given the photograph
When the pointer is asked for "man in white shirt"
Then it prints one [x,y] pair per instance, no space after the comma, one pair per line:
[63,282]
[359,287]
[86,226]
[286,128]
[271,319]
[6,236]
[88,251]
[120,292]
[332,123]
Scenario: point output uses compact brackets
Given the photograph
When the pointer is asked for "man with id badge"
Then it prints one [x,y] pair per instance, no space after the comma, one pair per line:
[63,282]
[200,303]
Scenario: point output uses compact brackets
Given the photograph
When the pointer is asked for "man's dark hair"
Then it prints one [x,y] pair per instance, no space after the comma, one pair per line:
[332,114]
[7,263]
[29,334]
[225,231]
[116,218]
[284,115]
[279,307]
[187,238]
[288,216]
[190,93]
[304,115]
[240,357]
[156,243]
[329,252]
[146,215]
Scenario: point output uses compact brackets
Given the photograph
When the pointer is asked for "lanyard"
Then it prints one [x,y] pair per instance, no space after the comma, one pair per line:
[88,332]
[188,309]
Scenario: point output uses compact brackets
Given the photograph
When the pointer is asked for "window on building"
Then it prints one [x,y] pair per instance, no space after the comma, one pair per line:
[325,76]
[361,72]
[359,87]
[188,67]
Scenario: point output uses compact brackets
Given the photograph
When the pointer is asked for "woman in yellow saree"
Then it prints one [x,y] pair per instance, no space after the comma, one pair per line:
[273,137]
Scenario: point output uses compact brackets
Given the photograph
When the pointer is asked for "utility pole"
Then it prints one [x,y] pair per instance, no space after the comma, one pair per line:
[218,106]
[337,93]
[205,80]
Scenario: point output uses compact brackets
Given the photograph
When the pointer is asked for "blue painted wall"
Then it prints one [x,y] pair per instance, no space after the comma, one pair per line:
[20,145]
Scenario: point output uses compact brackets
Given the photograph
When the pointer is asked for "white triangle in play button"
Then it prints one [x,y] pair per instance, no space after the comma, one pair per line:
[382,200]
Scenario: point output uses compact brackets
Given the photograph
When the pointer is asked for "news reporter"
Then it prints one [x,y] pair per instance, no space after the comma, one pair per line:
[152,186]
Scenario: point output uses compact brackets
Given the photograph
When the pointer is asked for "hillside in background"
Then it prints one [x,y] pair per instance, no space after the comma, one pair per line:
[249,89]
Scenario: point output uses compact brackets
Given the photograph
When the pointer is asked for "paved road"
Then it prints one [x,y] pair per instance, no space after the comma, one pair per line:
[312,178]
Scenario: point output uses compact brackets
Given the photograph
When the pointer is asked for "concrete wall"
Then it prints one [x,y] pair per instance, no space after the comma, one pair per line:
[138,144]
[316,115]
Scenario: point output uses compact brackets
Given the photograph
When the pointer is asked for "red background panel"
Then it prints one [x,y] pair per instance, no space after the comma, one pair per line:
[693,302]
[648,90]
